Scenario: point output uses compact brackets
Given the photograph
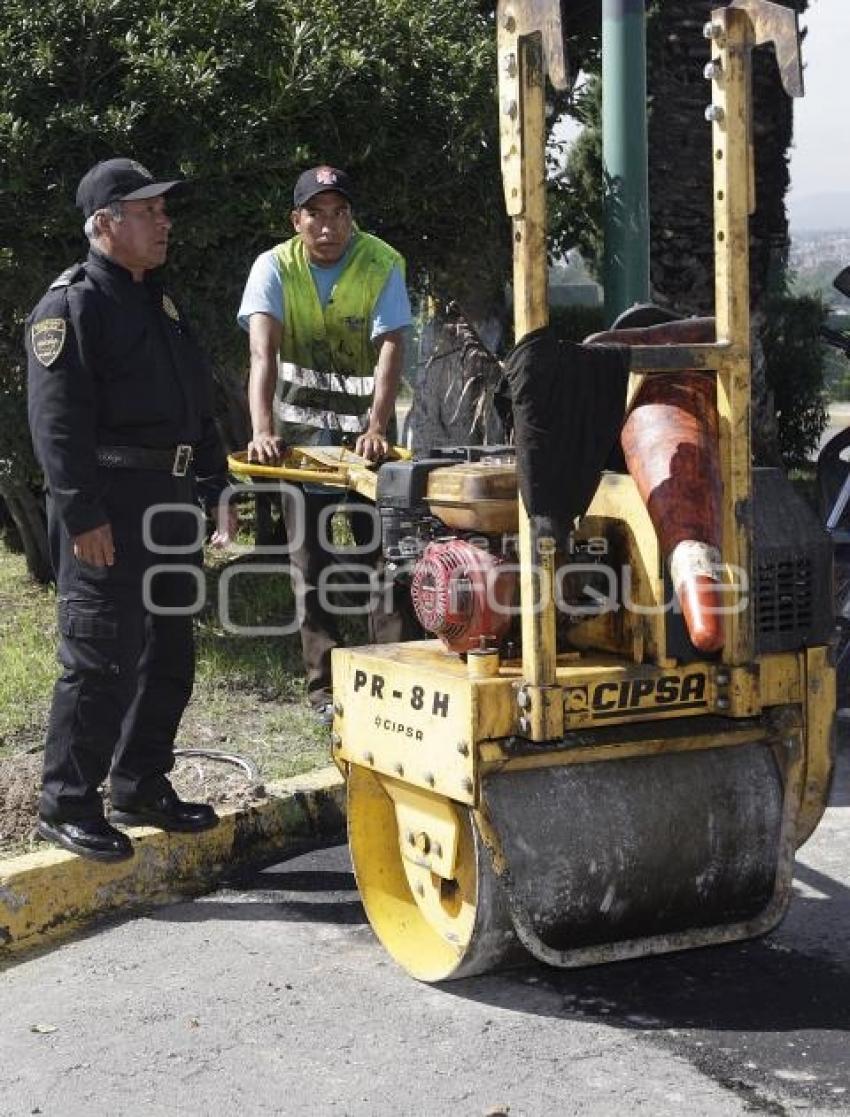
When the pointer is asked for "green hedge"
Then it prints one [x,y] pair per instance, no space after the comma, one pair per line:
[795,373]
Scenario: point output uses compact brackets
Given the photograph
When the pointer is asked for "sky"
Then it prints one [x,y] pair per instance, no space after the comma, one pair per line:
[820,158]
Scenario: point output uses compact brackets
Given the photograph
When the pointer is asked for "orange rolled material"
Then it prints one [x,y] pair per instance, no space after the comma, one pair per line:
[670,445]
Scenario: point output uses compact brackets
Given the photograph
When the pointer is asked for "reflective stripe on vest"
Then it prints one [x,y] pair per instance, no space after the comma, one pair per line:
[327,359]
[316,420]
[326,381]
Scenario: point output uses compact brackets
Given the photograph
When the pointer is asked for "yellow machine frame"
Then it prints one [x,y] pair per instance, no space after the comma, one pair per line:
[416,729]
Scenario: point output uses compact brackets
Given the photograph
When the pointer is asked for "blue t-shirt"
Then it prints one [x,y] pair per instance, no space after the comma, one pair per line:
[263,294]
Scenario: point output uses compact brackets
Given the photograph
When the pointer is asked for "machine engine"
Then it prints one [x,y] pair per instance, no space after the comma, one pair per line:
[448,518]
[464,594]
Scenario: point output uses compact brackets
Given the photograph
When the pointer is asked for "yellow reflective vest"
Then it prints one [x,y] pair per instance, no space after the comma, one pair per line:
[327,359]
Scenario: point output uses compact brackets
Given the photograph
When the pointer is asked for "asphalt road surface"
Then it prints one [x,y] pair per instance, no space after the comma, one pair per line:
[272,997]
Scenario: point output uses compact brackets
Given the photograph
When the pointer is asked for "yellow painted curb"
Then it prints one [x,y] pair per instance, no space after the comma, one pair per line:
[47,895]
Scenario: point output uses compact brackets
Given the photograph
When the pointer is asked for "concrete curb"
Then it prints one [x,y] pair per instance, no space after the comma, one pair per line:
[47,895]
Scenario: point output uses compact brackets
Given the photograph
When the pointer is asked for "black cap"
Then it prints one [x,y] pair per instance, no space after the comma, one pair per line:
[118,180]
[319,179]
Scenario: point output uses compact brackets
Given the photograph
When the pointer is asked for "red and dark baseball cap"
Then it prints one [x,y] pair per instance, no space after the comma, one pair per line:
[118,180]
[319,179]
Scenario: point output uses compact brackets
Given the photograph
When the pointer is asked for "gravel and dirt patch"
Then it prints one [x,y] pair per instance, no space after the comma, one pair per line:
[198,778]
[19,784]
[274,739]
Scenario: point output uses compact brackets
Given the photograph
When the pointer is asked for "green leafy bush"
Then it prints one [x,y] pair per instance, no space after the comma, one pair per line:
[795,373]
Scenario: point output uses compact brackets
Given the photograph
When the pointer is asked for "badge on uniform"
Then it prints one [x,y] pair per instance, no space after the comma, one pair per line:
[170,309]
[48,339]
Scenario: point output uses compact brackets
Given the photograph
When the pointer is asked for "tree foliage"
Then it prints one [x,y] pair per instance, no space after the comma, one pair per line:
[240,95]
[576,201]
[794,361]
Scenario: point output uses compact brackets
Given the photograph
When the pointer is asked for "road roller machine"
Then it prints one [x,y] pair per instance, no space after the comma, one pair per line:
[623,725]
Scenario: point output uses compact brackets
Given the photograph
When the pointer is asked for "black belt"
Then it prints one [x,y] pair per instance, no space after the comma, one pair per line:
[175,462]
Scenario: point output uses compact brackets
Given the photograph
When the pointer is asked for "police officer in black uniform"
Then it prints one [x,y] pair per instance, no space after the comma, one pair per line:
[121,416]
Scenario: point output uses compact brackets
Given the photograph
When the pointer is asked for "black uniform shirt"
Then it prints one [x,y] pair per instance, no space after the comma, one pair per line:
[112,362]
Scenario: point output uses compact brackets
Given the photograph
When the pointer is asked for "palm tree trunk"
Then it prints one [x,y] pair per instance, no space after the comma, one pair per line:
[680,176]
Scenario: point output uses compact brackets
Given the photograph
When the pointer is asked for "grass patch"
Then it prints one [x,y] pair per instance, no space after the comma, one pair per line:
[243,635]
[249,693]
[28,664]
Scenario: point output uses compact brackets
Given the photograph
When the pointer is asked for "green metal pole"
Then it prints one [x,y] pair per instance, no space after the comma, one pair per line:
[625,155]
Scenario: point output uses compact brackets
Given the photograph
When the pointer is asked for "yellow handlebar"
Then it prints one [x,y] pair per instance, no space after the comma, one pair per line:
[318,465]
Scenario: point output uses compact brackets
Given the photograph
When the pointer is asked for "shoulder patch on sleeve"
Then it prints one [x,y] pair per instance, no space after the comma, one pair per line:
[48,339]
[69,276]
[170,309]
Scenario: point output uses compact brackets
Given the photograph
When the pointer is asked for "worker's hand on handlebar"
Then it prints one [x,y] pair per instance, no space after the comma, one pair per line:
[267,449]
[372,446]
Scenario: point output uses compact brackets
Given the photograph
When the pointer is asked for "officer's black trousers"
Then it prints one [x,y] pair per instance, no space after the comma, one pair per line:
[126,647]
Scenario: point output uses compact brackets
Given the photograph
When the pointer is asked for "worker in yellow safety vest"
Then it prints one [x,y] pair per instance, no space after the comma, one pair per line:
[326,313]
